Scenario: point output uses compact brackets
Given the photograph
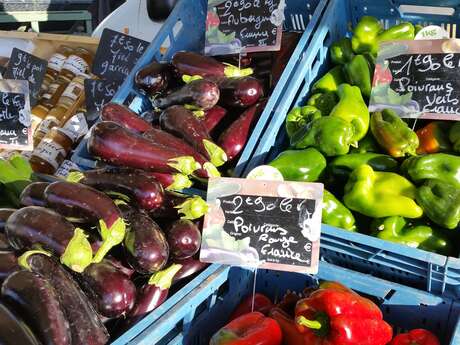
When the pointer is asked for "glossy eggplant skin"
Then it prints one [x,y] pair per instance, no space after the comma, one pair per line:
[153,78]
[111,291]
[168,210]
[14,331]
[145,243]
[125,117]
[148,298]
[184,239]
[8,264]
[35,299]
[138,185]
[190,63]
[213,116]
[190,266]
[32,195]
[240,92]
[85,325]
[81,203]
[5,213]
[4,244]
[203,94]
[39,225]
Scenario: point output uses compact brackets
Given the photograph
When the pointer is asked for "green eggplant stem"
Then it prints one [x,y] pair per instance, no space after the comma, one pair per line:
[193,208]
[185,164]
[22,260]
[163,279]
[111,237]
[75,177]
[78,253]
[217,156]
[211,169]
[180,181]
[232,71]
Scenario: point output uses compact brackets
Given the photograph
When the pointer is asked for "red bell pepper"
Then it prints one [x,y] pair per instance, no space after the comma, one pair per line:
[291,335]
[338,316]
[416,337]
[249,329]
[434,137]
[261,303]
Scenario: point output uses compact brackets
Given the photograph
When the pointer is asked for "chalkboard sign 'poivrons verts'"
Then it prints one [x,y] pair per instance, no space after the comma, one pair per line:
[418,79]
[116,55]
[25,66]
[267,224]
[15,131]
[243,26]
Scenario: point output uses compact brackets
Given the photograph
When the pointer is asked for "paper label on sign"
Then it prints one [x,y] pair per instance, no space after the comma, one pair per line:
[418,79]
[267,224]
[65,168]
[75,64]
[432,32]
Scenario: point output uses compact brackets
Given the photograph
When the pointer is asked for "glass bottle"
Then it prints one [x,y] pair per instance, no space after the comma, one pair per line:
[77,63]
[55,64]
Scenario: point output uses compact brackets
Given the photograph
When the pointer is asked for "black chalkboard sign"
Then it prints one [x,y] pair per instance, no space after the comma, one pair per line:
[13,129]
[116,55]
[97,94]
[25,66]
[234,26]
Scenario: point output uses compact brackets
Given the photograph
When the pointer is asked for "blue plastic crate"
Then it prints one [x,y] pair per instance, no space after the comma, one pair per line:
[207,308]
[420,269]
[184,30]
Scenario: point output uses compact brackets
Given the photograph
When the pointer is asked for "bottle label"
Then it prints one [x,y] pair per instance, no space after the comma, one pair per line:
[52,88]
[76,127]
[48,123]
[75,64]
[56,62]
[73,91]
[50,151]
[65,168]
[35,122]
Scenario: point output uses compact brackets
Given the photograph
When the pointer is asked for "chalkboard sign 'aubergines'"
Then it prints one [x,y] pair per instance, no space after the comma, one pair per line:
[24,66]
[268,224]
[116,55]
[243,26]
[418,79]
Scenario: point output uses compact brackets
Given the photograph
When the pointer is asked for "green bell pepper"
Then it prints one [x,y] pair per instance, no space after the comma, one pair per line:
[357,72]
[440,166]
[401,31]
[454,136]
[353,109]
[336,214]
[393,134]
[417,28]
[399,230]
[300,165]
[366,144]
[343,166]
[380,194]
[324,102]
[330,135]
[441,202]
[299,117]
[365,35]
[330,81]
[341,51]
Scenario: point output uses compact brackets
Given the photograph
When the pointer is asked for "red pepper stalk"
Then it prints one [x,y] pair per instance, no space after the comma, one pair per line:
[416,337]
[334,315]
[249,329]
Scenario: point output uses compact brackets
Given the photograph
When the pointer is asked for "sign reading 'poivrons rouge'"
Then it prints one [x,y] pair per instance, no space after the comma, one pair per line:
[418,79]
[267,224]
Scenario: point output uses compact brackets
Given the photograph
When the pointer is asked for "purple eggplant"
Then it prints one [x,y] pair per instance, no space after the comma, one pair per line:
[32,195]
[85,325]
[189,267]
[145,243]
[125,117]
[5,213]
[181,122]
[166,139]
[190,63]
[153,78]
[85,204]
[35,225]
[111,291]
[213,116]
[240,92]
[118,146]
[8,264]
[172,182]
[199,94]
[184,239]
[14,330]
[154,292]
[233,139]
[4,244]
[176,205]
[125,183]
[35,299]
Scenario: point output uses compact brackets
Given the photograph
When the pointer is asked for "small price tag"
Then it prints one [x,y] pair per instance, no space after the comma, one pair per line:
[418,79]
[116,55]
[15,125]
[234,27]
[25,66]
[267,224]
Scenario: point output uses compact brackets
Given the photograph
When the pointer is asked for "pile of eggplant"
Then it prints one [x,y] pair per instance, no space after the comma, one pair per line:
[202,114]
[85,258]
